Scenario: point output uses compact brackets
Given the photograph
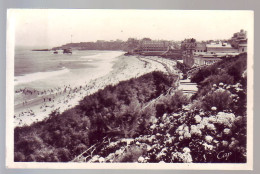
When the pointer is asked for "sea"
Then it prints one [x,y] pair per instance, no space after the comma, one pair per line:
[43,69]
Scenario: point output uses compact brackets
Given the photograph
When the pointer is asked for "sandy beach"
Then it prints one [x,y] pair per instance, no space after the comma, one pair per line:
[37,105]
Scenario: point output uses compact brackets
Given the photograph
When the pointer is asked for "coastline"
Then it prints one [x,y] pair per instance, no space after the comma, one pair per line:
[123,68]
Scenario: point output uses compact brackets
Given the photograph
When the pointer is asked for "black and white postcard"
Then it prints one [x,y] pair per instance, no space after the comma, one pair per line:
[129,89]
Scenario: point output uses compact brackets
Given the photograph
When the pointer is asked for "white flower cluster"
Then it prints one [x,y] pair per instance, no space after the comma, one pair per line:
[223,87]
[182,157]
[184,132]
[195,130]
[208,138]
[208,146]
[226,119]
[142,159]
[197,119]
[166,137]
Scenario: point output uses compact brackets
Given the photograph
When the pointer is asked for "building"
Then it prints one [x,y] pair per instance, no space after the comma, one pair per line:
[132,44]
[188,47]
[239,41]
[220,47]
[100,41]
[207,58]
[200,47]
[198,54]
[154,45]
[215,51]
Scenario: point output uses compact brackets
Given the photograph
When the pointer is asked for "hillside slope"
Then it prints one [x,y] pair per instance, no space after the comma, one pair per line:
[209,129]
[147,120]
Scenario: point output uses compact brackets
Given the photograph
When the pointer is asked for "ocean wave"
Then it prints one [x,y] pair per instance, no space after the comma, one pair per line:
[90,56]
[103,55]
[39,75]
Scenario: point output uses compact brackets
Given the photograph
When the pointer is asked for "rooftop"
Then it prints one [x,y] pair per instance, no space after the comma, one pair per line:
[219,45]
[205,54]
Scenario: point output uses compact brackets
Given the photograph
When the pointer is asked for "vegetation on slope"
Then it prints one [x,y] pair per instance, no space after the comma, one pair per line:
[231,71]
[143,122]
[113,111]
[211,128]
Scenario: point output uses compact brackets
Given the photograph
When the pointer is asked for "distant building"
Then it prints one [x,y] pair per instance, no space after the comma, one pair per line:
[188,47]
[198,54]
[154,45]
[208,58]
[118,40]
[100,41]
[239,41]
[214,52]
[173,53]
[132,44]
[220,47]
[200,47]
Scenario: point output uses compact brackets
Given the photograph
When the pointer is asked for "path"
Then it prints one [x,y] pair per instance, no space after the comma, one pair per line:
[187,87]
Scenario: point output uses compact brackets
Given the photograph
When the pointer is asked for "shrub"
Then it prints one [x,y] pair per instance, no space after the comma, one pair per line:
[131,154]
[216,79]
[19,157]
[219,98]
[28,144]
[64,154]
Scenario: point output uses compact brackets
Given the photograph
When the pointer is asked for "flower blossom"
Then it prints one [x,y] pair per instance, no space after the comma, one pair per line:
[212,119]
[224,143]
[226,119]
[153,126]
[227,131]
[209,138]
[141,159]
[186,150]
[213,108]
[195,130]
[101,160]
[186,129]
[161,125]
[128,141]
[197,119]
[233,144]
[182,157]
[211,127]
[207,146]
[200,126]
[187,135]
[180,138]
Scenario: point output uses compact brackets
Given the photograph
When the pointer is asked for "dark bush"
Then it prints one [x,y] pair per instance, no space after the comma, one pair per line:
[220,99]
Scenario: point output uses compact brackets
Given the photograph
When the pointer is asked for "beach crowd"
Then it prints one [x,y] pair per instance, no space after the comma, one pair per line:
[35,105]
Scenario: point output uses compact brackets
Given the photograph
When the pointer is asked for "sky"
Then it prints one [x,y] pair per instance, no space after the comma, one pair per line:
[46,28]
